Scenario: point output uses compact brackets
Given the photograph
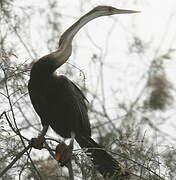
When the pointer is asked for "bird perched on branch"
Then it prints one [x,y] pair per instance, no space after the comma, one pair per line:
[61,104]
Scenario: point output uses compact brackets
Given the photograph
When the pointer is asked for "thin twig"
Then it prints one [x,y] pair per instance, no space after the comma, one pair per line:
[70,170]
[16,130]
[18,156]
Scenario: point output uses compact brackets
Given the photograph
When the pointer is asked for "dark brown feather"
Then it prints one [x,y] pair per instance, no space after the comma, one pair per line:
[60,104]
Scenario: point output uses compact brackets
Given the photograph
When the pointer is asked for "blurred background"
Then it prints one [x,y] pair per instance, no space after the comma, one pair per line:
[124,64]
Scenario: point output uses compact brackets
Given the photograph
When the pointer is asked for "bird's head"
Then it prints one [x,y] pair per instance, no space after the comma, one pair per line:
[109,10]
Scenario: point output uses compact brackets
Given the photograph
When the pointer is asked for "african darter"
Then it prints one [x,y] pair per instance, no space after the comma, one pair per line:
[60,103]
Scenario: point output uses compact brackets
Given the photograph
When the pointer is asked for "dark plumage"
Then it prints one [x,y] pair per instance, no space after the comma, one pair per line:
[60,103]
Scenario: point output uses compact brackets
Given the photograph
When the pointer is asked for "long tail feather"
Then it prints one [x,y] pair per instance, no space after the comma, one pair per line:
[103,161]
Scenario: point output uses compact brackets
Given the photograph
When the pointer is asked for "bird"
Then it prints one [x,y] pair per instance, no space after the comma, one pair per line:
[60,103]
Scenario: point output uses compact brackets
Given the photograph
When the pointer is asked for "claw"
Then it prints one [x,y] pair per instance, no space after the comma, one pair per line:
[63,153]
[37,143]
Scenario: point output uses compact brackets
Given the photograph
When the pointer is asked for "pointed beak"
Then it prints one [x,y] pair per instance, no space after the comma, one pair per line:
[123,11]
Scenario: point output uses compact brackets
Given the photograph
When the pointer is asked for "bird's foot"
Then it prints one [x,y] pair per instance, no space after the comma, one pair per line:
[63,153]
[37,143]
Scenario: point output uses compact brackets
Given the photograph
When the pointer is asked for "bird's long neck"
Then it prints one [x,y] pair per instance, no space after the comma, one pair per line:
[69,34]
[65,43]
[49,63]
